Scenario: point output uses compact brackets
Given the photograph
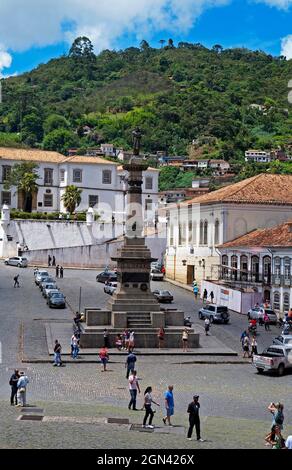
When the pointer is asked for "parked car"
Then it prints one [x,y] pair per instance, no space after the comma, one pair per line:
[283,340]
[215,313]
[109,276]
[18,261]
[156,275]
[41,275]
[45,281]
[110,287]
[163,296]
[56,300]
[52,287]
[257,313]
[274,358]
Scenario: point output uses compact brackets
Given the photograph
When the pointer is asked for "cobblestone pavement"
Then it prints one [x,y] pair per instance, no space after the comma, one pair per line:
[233,397]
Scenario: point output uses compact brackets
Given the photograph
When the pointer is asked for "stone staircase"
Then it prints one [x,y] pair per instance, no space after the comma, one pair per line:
[139,320]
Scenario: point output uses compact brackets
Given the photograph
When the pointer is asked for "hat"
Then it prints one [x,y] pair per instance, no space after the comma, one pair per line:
[196,396]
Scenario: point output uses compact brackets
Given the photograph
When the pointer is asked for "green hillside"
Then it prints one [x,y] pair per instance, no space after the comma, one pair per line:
[175,94]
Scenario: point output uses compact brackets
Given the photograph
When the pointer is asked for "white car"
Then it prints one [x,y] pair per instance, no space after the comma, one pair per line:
[110,287]
[52,287]
[41,275]
[156,275]
[283,340]
[18,261]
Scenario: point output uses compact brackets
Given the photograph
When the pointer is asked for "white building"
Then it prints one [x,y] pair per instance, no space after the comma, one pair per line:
[261,259]
[197,226]
[102,181]
[258,156]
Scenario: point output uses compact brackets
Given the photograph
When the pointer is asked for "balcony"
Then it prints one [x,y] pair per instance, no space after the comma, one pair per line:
[241,277]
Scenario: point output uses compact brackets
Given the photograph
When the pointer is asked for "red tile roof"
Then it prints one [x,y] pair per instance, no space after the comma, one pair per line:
[279,236]
[260,189]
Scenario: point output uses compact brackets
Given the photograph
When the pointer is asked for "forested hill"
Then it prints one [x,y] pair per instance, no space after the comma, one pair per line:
[175,94]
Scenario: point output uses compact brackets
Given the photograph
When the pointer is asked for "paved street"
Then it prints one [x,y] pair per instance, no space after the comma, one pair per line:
[233,396]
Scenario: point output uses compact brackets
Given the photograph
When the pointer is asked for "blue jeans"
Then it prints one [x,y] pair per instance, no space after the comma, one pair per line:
[75,351]
[133,394]
[58,358]
[130,367]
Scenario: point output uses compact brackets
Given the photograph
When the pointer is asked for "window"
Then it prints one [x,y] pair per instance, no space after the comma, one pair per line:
[286,302]
[148,205]
[224,262]
[106,177]
[171,235]
[6,170]
[216,230]
[287,269]
[205,232]
[194,233]
[267,269]
[234,267]
[243,268]
[77,176]
[6,198]
[92,200]
[149,182]
[255,266]
[62,176]
[276,301]
[201,232]
[48,200]
[182,233]
[277,266]
[48,176]
[190,227]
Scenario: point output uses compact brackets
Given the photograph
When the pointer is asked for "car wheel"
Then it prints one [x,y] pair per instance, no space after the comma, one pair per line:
[201,316]
[281,369]
[260,370]
[6,262]
[226,321]
[19,265]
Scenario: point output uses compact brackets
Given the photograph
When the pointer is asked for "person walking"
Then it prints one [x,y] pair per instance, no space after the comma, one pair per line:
[133,389]
[75,346]
[212,297]
[61,272]
[161,337]
[57,270]
[169,405]
[205,295]
[104,358]
[54,261]
[185,338]
[196,291]
[21,389]
[254,346]
[194,418]
[16,281]
[148,400]
[266,321]
[57,353]
[242,336]
[130,363]
[207,326]
[131,343]
[246,345]
[13,384]
[49,260]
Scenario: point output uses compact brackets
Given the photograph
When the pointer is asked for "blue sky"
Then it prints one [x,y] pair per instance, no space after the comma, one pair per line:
[31,33]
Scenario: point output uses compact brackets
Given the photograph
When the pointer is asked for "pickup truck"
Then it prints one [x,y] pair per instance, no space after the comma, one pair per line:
[275,358]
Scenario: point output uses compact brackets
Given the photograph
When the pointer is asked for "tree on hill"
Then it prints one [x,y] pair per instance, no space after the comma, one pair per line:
[24,176]
[55,121]
[162,42]
[71,198]
[60,140]
[82,48]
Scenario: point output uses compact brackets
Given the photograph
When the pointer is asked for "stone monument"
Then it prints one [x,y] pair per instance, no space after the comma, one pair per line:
[133,306]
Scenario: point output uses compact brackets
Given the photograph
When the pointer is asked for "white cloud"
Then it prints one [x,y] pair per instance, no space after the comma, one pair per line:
[28,23]
[281,4]
[286,46]
[5,60]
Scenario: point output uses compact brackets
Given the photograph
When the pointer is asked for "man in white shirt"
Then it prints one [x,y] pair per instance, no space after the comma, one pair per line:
[133,388]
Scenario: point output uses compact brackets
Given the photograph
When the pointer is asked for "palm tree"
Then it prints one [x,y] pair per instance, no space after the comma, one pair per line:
[162,42]
[24,176]
[71,198]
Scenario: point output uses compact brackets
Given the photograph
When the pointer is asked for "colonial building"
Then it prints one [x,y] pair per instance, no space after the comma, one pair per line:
[102,181]
[261,259]
[196,227]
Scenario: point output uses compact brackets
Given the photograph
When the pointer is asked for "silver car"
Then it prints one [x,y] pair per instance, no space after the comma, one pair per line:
[257,313]
[110,288]
[215,313]
[40,275]
[49,288]
[283,340]
[18,261]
